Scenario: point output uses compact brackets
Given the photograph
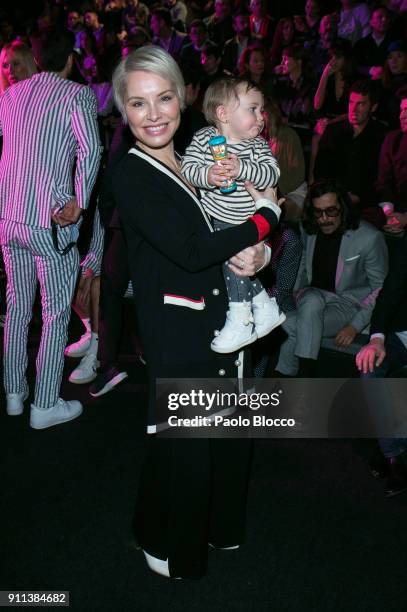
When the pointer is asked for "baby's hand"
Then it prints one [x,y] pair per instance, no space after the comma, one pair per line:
[232,165]
[217,175]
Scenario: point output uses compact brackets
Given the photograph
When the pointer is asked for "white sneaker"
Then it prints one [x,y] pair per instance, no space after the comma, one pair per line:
[238,330]
[158,565]
[61,412]
[79,348]
[266,314]
[86,370]
[15,403]
[224,547]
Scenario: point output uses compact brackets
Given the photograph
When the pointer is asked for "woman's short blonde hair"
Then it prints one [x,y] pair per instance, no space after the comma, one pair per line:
[26,56]
[149,59]
[222,92]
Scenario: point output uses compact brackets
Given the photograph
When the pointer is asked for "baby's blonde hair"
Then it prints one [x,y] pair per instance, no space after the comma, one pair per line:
[220,93]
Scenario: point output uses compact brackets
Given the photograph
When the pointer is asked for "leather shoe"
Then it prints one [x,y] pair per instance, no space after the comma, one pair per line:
[397,477]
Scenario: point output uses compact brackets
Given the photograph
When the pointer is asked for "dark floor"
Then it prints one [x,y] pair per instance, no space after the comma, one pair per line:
[321,536]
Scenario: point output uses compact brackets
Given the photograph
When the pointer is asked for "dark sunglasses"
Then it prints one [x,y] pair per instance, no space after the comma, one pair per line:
[331,211]
[65,250]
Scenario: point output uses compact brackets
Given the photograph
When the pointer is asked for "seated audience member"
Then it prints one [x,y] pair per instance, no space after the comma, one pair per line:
[284,36]
[220,23]
[96,29]
[234,47]
[285,145]
[191,51]
[394,77]
[371,51]
[349,150]
[252,66]
[74,23]
[164,35]
[343,266]
[179,13]
[294,89]
[391,184]
[138,37]
[313,14]
[262,26]
[318,50]
[332,95]
[354,20]
[135,14]
[192,119]
[385,354]
[211,60]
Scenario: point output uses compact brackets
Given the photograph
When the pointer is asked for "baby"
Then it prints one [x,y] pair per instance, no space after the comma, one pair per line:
[234,108]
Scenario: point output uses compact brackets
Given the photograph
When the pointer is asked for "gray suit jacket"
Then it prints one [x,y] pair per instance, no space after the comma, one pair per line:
[360,272]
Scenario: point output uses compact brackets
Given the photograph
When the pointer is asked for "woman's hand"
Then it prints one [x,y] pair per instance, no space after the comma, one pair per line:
[270,193]
[248,261]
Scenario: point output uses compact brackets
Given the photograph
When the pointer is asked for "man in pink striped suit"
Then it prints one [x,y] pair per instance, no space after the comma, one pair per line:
[51,155]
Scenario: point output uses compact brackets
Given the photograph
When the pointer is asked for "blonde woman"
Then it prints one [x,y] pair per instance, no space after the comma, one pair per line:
[16,64]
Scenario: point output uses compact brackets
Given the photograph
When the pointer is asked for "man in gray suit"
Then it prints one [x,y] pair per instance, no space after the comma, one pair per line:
[50,159]
[343,266]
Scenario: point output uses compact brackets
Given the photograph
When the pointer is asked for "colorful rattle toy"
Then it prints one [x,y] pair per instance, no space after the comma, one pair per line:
[219,152]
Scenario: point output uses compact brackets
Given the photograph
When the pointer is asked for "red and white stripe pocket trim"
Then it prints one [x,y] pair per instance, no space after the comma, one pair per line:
[179,300]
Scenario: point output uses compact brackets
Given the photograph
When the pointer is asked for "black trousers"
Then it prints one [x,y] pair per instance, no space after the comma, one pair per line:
[114,281]
[191,492]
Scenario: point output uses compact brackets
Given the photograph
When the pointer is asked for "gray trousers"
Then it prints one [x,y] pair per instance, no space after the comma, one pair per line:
[319,314]
[29,256]
[238,289]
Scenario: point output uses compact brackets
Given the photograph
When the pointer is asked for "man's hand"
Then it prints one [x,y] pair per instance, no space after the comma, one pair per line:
[345,336]
[217,175]
[69,214]
[248,261]
[371,355]
[396,222]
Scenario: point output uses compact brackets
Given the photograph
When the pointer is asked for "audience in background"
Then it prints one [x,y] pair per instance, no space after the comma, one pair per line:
[220,23]
[286,146]
[343,266]
[354,20]
[234,47]
[349,150]
[391,184]
[332,95]
[284,36]
[316,111]
[371,51]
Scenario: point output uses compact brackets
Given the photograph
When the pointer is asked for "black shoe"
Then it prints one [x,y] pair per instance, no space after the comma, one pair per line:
[397,477]
[106,381]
